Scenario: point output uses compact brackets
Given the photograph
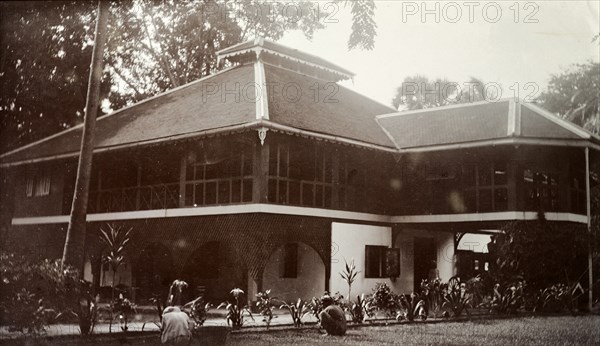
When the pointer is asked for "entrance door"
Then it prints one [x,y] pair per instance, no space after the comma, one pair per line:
[425,260]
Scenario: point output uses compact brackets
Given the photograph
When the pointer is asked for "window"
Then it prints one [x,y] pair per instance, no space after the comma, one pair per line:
[42,188]
[38,184]
[381,262]
[222,177]
[29,188]
[438,171]
[300,174]
[486,187]
[290,260]
[541,188]
[577,189]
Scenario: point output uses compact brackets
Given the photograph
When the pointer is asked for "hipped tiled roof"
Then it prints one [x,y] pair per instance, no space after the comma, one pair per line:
[193,108]
[476,122]
[223,102]
[323,107]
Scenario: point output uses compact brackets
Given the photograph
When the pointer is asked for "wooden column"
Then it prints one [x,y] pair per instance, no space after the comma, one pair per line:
[260,172]
[589,226]
[182,177]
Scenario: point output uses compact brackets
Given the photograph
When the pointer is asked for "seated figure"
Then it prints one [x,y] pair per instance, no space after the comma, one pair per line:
[333,319]
[176,327]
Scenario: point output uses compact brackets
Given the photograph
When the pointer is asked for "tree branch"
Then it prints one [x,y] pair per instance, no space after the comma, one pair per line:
[158,58]
[138,94]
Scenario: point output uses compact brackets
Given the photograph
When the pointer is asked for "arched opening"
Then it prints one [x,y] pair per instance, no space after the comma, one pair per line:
[295,270]
[472,254]
[154,271]
[213,270]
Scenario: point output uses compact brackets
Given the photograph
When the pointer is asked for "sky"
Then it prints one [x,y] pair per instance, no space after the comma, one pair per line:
[516,48]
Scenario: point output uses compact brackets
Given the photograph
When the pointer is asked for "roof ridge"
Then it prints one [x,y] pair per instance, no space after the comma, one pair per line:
[367,97]
[259,44]
[120,110]
[441,108]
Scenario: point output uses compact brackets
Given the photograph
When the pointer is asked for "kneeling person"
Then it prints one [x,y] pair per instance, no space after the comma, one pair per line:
[332,317]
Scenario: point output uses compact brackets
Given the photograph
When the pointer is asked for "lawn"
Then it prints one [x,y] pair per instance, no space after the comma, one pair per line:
[582,330]
[559,330]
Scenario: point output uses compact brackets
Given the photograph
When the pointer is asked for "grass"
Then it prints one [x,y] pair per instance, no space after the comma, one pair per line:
[563,330]
[556,330]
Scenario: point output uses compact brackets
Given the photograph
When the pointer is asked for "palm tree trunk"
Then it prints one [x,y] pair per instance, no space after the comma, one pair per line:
[73,251]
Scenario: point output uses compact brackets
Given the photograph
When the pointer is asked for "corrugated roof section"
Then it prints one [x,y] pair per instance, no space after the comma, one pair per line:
[310,104]
[195,107]
[446,125]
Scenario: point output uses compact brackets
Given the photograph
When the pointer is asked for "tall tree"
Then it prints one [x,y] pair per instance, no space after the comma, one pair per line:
[152,46]
[574,94]
[45,52]
[419,92]
[74,244]
[155,46]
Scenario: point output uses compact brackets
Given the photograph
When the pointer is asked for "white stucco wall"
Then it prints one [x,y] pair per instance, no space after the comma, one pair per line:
[310,280]
[446,260]
[348,242]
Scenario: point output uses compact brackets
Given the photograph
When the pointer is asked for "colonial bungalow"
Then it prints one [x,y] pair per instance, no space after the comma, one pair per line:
[270,175]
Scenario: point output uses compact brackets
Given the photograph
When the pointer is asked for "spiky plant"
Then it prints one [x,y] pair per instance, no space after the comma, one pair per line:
[349,275]
[236,310]
[115,240]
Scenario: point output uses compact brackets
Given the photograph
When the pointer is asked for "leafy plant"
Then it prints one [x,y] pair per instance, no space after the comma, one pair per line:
[383,299]
[33,294]
[236,310]
[412,306]
[456,297]
[159,307]
[115,240]
[124,308]
[349,275]
[361,309]
[559,297]
[266,305]
[198,310]
[297,311]
[433,294]
[508,300]
[314,307]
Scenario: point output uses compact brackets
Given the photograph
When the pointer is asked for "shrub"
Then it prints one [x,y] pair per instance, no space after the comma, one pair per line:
[527,250]
[34,294]
[384,299]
